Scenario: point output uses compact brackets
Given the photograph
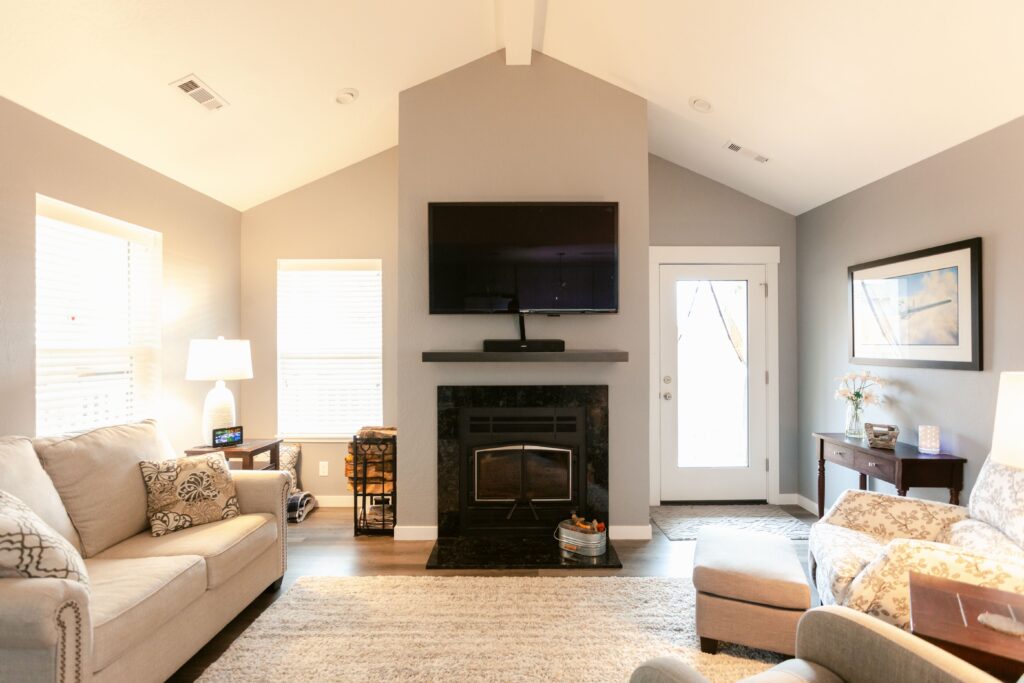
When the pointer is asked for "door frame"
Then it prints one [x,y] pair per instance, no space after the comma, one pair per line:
[769,257]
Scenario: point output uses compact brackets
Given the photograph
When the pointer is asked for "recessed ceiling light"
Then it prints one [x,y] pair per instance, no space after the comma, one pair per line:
[346,96]
[700,104]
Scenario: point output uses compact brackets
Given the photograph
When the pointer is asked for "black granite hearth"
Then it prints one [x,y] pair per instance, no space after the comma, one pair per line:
[516,532]
[532,552]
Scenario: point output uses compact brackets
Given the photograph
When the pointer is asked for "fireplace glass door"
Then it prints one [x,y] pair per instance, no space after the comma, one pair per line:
[522,473]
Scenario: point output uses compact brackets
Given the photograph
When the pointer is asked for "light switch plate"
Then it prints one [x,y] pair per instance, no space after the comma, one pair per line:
[323,468]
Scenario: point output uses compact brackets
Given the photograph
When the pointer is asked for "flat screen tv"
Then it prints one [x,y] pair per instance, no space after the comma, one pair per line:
[523,257]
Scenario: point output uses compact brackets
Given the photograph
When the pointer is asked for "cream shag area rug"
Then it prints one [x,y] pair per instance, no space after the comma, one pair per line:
[681,522]
[465,629]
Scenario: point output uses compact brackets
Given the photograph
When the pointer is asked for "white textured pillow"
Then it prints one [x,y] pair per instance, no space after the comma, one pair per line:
[30,548]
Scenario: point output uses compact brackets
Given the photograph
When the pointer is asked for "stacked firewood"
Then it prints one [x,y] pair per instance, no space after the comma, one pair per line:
[379,459]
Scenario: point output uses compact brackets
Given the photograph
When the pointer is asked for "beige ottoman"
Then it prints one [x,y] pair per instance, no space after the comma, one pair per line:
[751,589]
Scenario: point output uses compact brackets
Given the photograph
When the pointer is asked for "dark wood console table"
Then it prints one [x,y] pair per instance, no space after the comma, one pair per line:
[904,467]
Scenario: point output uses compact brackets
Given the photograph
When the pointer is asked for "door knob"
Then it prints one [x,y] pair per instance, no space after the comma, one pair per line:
[667,396]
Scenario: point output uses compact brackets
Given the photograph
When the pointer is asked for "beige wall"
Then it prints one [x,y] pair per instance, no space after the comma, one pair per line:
[688,209]
[490,132]
[970,190]
[200,295]
[349,214]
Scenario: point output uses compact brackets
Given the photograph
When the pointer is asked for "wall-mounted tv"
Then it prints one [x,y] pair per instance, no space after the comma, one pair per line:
[524,257]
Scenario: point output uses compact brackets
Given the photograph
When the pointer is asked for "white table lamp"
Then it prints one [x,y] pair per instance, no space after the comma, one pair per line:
[1007,440]
[218,360]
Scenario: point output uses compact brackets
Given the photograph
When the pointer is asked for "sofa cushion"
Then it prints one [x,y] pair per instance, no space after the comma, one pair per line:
[30,548]
[131,598]
[998,499]
[22,475]
[984,539]
[226,546]
[840,554]
[97,475]
[188,492]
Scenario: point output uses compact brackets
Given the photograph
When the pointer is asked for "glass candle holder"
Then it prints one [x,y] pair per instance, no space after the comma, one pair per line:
[928,439]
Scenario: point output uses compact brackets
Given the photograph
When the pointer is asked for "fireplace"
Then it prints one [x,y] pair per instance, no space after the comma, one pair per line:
[521,468]
[524,473]
[512,462]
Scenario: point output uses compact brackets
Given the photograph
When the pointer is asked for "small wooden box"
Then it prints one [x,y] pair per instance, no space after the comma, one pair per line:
[882,436]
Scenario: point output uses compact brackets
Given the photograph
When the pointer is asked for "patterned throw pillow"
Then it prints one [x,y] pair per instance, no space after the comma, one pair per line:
[998,499]
[188,492]
[289,461]
[30,548]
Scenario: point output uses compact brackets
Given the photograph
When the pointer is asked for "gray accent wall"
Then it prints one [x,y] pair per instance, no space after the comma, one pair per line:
[200,295]
[971,190]
[545,132]
[349,214]
[690,210]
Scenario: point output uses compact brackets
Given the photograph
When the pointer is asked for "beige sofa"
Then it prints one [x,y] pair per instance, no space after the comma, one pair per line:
[153,602]
[840,645]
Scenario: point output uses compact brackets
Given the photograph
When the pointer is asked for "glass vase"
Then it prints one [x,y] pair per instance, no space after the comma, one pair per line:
[854,420]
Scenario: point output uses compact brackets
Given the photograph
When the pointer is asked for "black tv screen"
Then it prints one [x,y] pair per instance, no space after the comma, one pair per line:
[524,257]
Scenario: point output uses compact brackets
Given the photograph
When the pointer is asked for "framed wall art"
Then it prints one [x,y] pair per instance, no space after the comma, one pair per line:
[921,309]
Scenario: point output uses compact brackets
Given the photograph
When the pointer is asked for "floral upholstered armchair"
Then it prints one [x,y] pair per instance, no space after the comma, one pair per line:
[863,549]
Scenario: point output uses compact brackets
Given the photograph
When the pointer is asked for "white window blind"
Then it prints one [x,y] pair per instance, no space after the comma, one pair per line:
[329,347]
[97,319]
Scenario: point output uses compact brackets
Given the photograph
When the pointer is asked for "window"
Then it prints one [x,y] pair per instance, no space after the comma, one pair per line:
[329,341]
[97,319]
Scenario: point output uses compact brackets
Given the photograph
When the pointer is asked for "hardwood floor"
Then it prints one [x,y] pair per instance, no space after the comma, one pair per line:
[324,545]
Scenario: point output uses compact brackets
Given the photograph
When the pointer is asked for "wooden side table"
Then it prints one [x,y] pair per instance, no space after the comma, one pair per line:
[945,613]
[903,467]
[246,451]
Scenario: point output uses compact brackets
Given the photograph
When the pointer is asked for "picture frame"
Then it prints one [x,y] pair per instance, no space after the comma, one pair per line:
[921,309]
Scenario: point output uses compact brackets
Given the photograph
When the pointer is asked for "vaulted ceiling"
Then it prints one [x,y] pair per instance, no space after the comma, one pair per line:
[835,94]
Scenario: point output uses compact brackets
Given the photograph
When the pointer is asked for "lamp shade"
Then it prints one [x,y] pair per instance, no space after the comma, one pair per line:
[1007,436]
[219,359]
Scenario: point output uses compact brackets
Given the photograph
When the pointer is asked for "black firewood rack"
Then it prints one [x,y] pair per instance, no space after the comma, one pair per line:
[375,498]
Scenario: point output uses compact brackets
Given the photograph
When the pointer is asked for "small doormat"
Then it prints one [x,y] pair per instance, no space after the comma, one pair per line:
[681,522]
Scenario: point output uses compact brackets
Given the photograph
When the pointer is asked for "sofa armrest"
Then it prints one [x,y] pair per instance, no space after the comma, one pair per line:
[838,639]
[887,517]
[45,631]
[666,670]
[266,491]
[261,491]
[882,589]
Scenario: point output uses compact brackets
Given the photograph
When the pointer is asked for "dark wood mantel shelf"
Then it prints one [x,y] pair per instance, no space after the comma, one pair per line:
[575,356]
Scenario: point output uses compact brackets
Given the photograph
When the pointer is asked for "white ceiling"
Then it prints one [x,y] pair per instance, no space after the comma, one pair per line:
[836,94]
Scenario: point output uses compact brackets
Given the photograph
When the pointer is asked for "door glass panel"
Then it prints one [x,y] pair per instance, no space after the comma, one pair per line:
[711,346]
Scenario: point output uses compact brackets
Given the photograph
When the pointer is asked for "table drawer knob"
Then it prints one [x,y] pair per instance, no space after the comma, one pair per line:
[837,453]
[872,464]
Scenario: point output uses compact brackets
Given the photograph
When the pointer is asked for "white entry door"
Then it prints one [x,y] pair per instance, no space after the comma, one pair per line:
[713,382]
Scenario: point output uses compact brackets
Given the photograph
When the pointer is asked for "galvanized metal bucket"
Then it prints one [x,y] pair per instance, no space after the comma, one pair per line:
[577,541]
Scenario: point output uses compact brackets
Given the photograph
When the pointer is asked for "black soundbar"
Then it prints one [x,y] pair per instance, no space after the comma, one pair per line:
[524,345]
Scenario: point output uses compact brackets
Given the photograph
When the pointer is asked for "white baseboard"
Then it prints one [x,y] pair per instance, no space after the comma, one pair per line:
[333,501]
[405,532]
[786,499]
[619,532]
[807,504]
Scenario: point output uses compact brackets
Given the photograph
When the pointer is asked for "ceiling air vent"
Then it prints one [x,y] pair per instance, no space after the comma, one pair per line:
[200,92]
[746,151]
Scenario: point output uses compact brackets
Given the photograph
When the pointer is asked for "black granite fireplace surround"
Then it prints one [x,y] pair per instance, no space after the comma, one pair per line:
[512,462]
